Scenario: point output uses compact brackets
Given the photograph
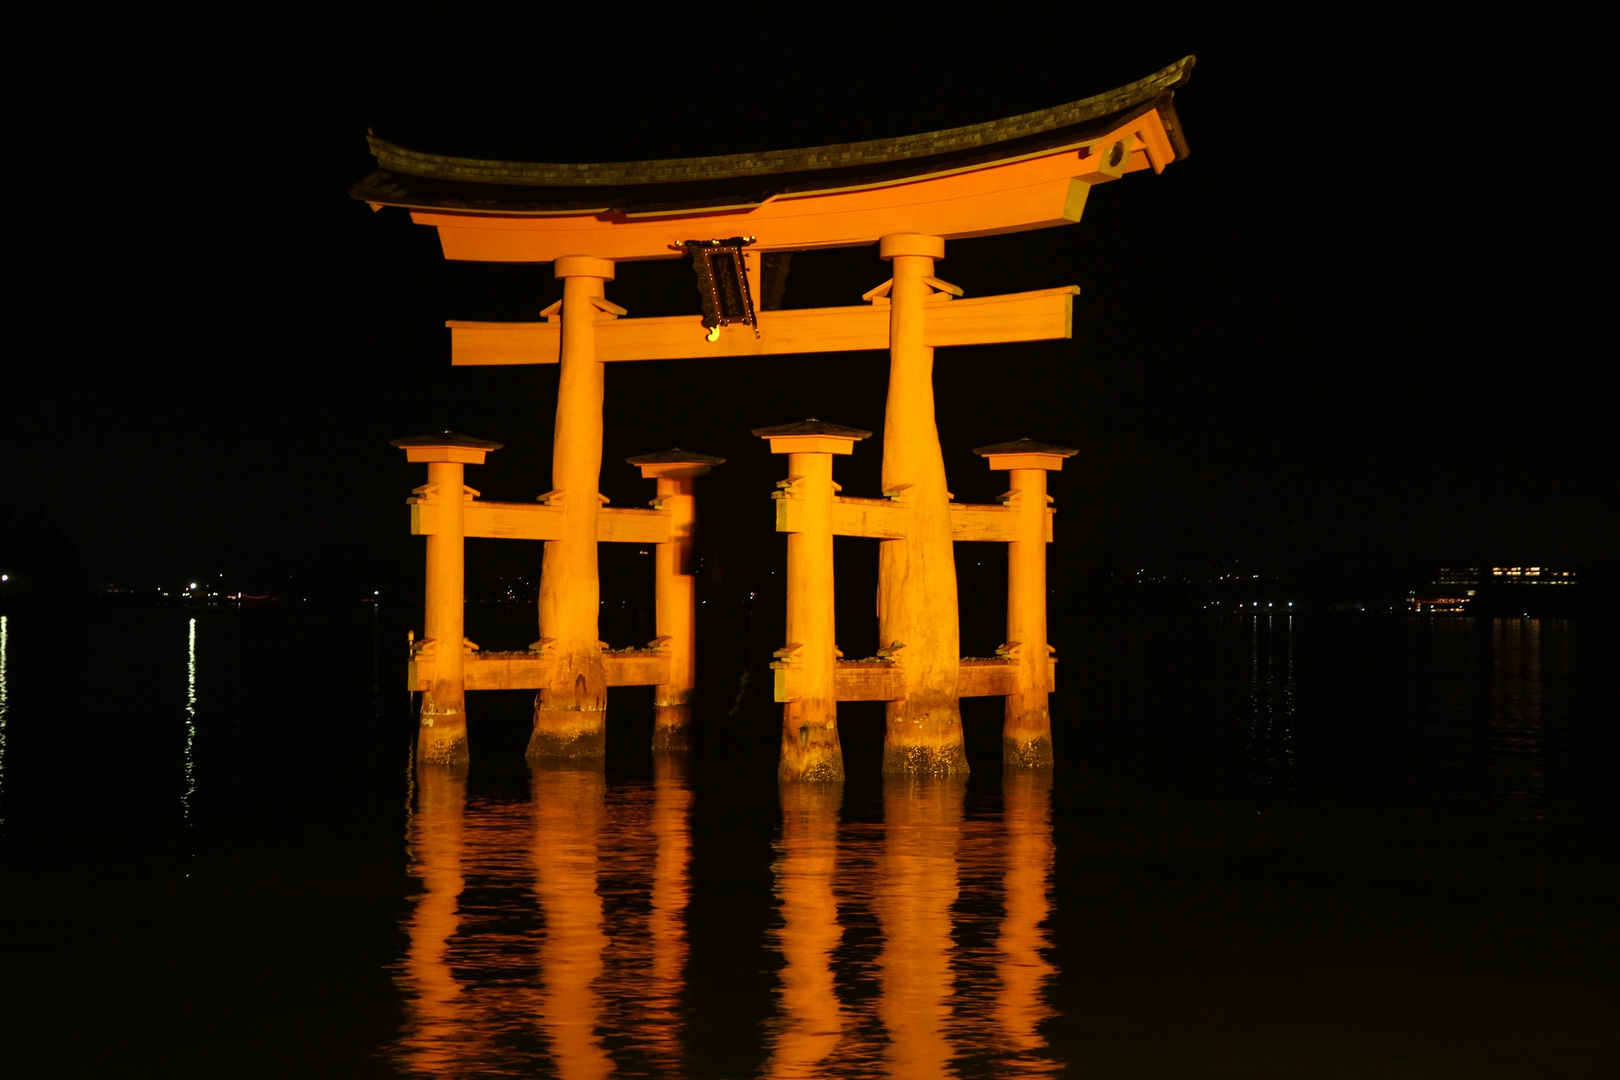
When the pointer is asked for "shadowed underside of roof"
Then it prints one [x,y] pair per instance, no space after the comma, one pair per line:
[416,180]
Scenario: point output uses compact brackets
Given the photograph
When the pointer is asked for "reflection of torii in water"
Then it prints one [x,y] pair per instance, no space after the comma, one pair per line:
[553,861]
[910,196]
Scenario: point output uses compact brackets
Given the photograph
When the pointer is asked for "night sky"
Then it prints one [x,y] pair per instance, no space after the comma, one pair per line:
[1367,321]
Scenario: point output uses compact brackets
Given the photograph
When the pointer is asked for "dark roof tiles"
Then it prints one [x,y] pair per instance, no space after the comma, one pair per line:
[435,181]
[446,438]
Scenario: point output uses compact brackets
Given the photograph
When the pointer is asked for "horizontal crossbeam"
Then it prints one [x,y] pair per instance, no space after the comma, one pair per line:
[1042,315]
[532,670]
[879,680]
[540,521]
[888,519]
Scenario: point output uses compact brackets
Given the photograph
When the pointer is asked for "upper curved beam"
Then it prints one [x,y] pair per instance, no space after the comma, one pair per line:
[420,181]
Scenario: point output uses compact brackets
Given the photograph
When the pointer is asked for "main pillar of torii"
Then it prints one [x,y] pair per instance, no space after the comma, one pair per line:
[910,195]
[569,713]
[917,611]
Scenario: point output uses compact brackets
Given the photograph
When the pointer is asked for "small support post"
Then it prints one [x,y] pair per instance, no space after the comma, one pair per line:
[570,712]
[674,587]
[1026,733]
[442,736]
[917,603]
[804,667]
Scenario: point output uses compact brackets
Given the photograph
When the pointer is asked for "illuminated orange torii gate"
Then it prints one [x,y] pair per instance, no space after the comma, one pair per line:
[909,196]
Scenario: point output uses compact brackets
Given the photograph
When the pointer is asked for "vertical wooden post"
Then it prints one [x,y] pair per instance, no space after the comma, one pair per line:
[917,606]
[442,736]
[675,589]
[1026,733]
[570,712]
[804,668]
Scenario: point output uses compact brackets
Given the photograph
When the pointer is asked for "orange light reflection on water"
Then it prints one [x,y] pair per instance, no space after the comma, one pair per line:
[958,905]
[533,939]
[550,936]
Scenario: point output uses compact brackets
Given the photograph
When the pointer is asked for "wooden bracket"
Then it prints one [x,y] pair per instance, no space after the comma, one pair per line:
[872,296]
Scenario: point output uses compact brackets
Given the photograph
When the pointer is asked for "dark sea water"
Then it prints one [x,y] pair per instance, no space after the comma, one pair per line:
[1311,846]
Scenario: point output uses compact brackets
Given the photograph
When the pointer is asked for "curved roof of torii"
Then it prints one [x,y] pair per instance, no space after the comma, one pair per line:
[420,181]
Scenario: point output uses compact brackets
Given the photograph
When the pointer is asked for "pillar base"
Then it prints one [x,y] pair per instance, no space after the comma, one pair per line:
[1026,732]
[810,752]
[441,736]
[1026,752]
[672,728]
[564,734]
[915,760]
[929,746]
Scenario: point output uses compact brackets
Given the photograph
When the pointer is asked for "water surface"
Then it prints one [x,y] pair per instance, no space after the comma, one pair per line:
[1285,846]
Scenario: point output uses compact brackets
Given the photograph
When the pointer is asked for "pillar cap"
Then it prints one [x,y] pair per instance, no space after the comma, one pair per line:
[567,266]
[445,446]
[911,244]
[1025,453]
[812,436]
[674,462]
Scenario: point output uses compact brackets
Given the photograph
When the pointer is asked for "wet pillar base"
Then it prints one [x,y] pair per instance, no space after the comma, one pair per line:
[811,751]
[566,734]
[1026,732]
[927,746]
[441,735]
[672,728]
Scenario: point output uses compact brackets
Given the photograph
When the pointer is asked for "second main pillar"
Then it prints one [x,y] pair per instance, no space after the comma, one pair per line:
[917,608]
[570,712]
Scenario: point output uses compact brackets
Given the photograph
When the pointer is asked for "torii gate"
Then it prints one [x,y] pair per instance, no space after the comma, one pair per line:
[910,196]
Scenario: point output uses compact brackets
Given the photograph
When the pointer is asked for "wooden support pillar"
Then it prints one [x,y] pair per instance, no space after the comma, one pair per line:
[442,735]
[570,712]
[804,667]
[1026,733]
[675,590]
[917,608]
